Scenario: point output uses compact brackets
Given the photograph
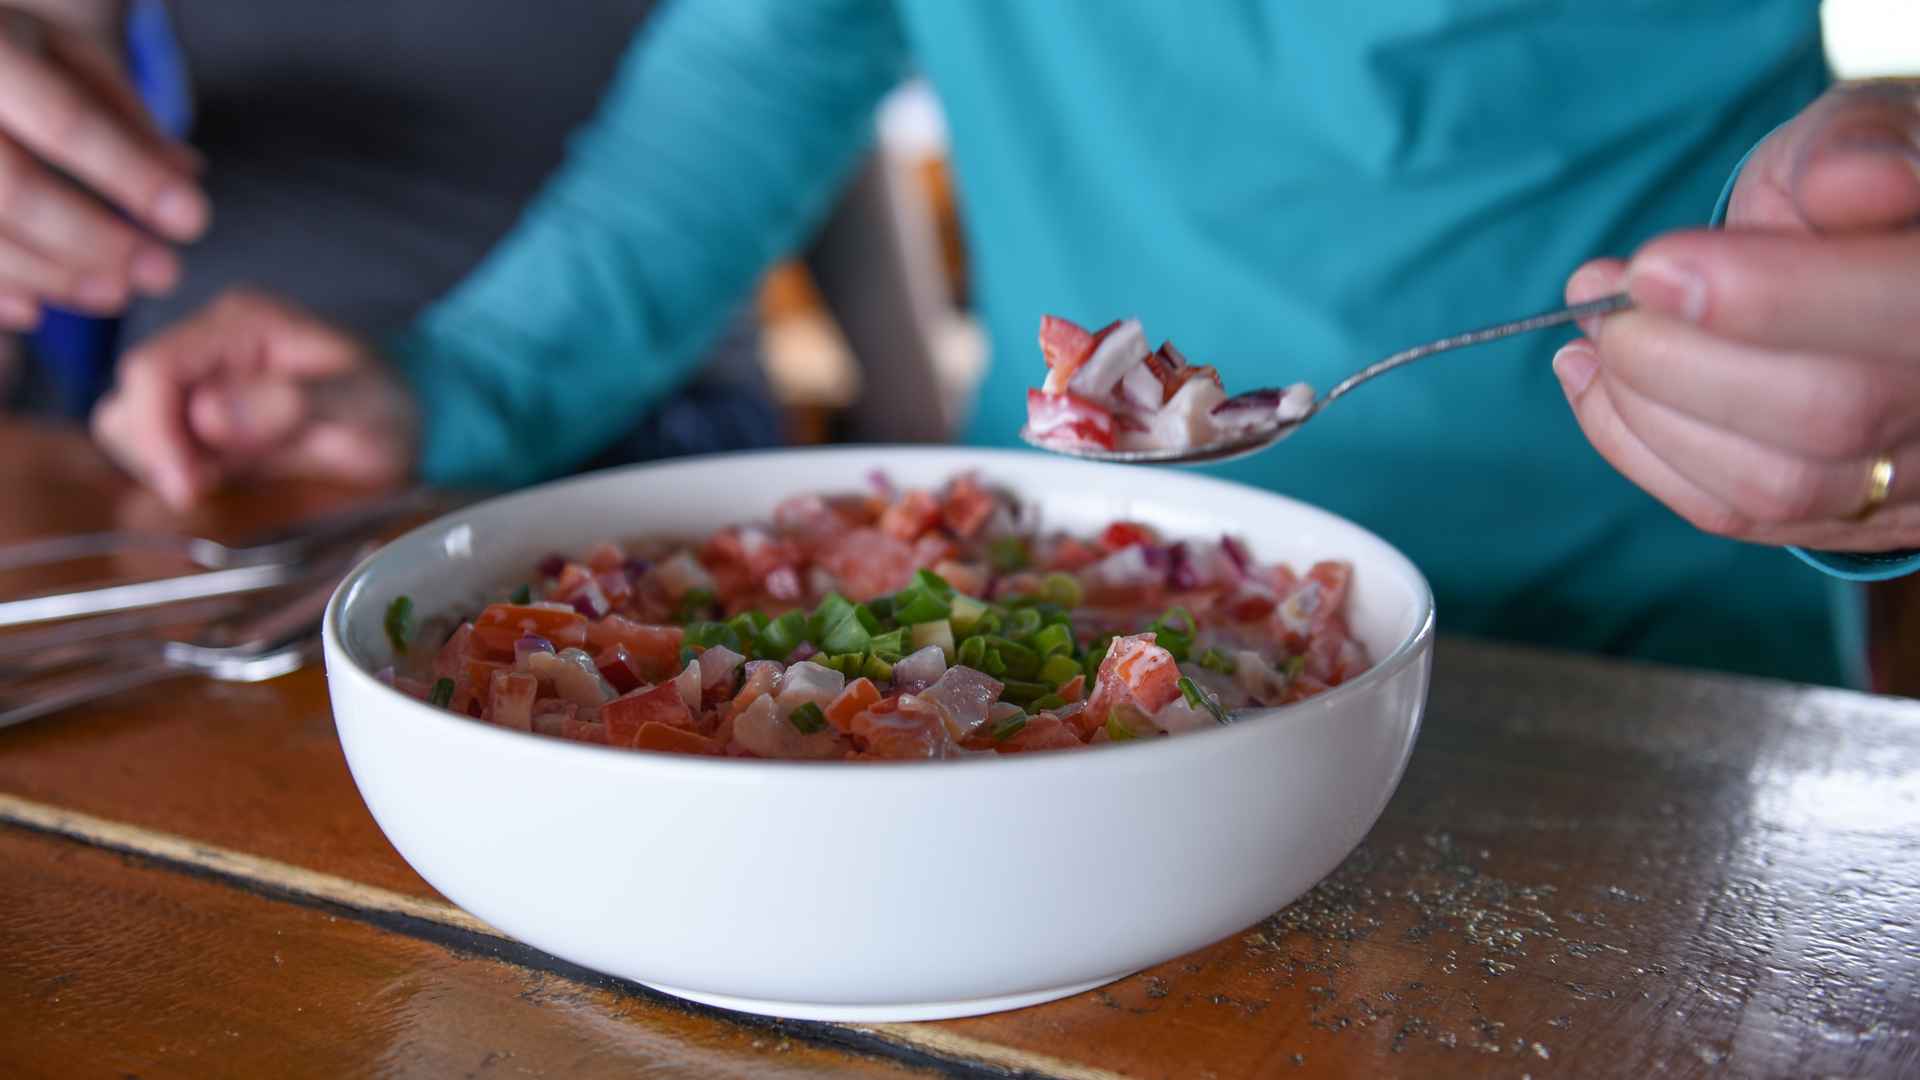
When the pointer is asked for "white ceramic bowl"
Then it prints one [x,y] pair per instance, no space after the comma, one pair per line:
[874,891]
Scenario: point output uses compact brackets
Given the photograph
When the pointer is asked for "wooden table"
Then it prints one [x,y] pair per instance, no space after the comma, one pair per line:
[1591,869]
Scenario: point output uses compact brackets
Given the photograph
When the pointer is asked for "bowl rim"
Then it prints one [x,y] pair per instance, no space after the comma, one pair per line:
[1410,649]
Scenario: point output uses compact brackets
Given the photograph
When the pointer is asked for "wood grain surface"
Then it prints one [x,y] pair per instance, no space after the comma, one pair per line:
[1590,869]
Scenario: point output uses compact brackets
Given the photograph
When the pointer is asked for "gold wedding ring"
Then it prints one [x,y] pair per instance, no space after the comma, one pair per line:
[1879,482]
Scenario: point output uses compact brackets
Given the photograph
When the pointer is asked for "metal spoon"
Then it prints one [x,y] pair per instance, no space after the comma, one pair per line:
[1252,440]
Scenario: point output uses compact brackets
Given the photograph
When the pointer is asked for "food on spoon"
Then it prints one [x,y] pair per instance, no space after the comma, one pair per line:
[896,624]
[1108,391]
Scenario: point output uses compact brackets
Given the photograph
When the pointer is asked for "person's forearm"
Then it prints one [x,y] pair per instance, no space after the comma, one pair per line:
[726,134]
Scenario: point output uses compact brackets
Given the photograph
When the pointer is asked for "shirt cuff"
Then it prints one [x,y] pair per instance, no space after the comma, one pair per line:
[1848,566]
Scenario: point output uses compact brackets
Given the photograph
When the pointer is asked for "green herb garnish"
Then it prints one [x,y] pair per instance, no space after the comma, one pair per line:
[778,639]
[706,635]
[1062,589]
[1048,701]
[1007,554]
[927,599]
[1008,728]
[1215,660]
[1200,699]
[522,595]
[1295,665]
[400,623]
[889,646]
[1174,632]
[1053,640]
[807,718]
[442,693]
[694,604]
[1116,730]
[1059,670]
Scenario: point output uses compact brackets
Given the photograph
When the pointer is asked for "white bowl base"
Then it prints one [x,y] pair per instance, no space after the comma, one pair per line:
[884,1014]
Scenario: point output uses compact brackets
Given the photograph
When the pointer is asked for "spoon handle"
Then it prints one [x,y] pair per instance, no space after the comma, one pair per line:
[1604,306]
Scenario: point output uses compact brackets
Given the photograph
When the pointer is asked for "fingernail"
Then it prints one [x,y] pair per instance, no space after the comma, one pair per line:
[1662,284]
[99,293]
[1575,364]
[180,212]
[155,270]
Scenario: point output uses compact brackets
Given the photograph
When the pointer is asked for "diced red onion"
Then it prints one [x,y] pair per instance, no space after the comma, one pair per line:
[637,568]
[1180,569]
[527,646]
[879,485]
[1237,551]
[801,652]
[591,601]
[551,566]
[919,670]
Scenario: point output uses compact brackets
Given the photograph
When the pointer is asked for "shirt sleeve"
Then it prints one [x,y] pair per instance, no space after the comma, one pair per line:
[1849,566]
[724,137]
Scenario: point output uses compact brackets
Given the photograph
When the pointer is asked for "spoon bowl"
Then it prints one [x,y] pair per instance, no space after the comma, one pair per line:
[1251,440]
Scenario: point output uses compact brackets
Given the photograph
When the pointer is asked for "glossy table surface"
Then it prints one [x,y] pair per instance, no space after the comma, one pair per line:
[1591,869]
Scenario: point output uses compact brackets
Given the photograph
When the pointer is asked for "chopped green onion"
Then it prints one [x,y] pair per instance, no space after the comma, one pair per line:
[973,653]
[843,626]
[1116,730]
[1215,660]
[1295,665]
[966,614]
[994,664]
[1200,699]
[877,669]
[1020,692]
[807,718]
[687,655]
[889,646]
[1174,632]
[1020,661]
[1008,728]
[938,632]
[705,635]
[694,604]
[929,597]
[848,664]
[990,623]
[1022,624]
[1059,670]
[1048,701]
[400,623]
[781,636]
[1062,589]
[522,595]
[442,693]
[882,607]
[1007,554]
[1054,640]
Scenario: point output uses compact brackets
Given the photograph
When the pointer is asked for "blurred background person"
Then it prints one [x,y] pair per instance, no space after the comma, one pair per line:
[357,157]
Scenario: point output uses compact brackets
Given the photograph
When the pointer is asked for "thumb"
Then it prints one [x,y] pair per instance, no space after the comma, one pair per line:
[244,416]
[1859,169]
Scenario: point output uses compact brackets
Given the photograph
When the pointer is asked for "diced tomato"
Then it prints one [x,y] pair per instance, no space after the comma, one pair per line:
[501,625]
[911,515]
[512,699]
[1065,345]
[667,738]
[1069,418]
[1250,604]
[1044,731]
[550,715]
[1125,534]
[1333,579]
[606,555]
[654,650]
[968,506]
[616,585]
[869,563]
[479,673]
[659,704]
[453,655]
[1073,690]
[1071,554]
[617,667]
[859,695]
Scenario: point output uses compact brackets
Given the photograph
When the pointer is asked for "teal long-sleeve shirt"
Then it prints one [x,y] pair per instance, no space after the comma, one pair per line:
[1287,188]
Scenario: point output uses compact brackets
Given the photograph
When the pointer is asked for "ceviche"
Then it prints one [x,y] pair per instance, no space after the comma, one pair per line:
[890,624]
[1106,391]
